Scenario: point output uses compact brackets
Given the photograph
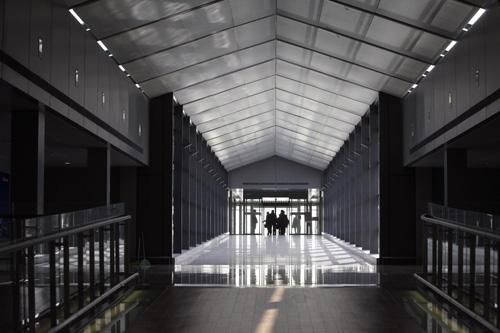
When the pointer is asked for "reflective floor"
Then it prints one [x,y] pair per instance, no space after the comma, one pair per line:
[257,260]
[256,284]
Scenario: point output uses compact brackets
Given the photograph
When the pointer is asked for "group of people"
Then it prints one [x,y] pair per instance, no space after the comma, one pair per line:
[273,223]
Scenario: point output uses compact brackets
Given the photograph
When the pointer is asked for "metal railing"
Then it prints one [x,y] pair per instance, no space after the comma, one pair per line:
[62,266]
[461,261]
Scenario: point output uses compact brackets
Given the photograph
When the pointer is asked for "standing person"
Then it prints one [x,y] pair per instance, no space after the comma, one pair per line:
[273,219]
[253,221]
[296,224]
[283,222]
[268,224]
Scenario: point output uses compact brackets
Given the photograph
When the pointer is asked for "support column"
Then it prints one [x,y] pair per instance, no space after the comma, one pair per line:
[27,162]
[98,176]
[154,184]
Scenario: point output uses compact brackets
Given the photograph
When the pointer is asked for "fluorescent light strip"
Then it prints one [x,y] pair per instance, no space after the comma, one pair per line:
[138,86]
[450,46]
[476,17]
[431,67]
[414,86]
[101,44]
[121,67]
[75,15]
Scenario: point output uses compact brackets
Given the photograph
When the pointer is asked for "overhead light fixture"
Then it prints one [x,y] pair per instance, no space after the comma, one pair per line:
[67,163]
[414,86]
[476,17]
[431,67]
[75,15]
[450,46]
[121,67]
[138,86]
[175,99]
[101,44]
[110,55]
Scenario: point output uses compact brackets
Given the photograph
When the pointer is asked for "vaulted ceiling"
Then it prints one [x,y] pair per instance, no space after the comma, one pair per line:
[290,78]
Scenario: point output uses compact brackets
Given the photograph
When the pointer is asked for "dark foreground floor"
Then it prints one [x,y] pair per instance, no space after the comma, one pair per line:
[213,309]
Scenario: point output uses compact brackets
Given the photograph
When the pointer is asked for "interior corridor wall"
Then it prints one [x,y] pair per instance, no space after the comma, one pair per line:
[369,196]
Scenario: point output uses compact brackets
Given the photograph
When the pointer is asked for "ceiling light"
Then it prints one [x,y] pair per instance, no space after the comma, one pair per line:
[138,86]
[476,17]
[75,15]
[414,86]
[67,163]
[101,44]
[431,67]
[175,100]
[121,67]
[450,46]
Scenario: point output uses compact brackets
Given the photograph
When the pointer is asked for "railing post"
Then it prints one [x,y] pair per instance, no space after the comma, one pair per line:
[434,253]
[440,258]
[460,263]
[472,273]
[80,269]
[92,264]
[52,283]
[112,255]
[31,289]
[498,283]
[117,249]
[127,247]
[66,277]
[486,292]
[102,251]
[450,261]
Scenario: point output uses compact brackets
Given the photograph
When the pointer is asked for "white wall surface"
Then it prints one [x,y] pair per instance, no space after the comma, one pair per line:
[284,173]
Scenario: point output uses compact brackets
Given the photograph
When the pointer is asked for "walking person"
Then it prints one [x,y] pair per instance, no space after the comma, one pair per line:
[283,222]
[273,220]
[296,224]
[268,224]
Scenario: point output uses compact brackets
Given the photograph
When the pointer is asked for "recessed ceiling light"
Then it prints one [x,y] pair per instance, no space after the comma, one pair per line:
[476,17]
[450,46]
[67,163]
[75,15]
[101,44]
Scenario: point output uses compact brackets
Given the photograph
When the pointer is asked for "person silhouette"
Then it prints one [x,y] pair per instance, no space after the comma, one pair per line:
[296,224]
[272,221]
[253,221]
[268,224]
[283,222]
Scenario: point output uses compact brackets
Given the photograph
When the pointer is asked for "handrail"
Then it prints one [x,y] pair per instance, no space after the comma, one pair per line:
[456,226]
[60,234]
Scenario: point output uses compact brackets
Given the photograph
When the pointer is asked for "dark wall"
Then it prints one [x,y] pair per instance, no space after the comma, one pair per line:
[154,184]
[397,188]
[124,189]
[65,190]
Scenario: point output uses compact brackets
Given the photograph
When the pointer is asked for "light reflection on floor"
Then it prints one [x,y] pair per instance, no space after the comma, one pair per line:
[255,260]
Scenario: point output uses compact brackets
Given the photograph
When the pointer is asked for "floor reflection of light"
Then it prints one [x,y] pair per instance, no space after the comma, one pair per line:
[268,318]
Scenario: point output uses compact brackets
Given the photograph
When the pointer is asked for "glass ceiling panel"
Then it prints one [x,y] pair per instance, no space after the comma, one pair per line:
[286,77]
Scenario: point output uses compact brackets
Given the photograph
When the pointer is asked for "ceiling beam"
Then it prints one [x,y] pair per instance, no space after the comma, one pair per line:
[359,40]
[394,20]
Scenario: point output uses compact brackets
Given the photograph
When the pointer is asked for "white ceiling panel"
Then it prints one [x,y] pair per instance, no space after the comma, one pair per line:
[215,45]
[289,77]
[336,45]
[208,20]
[295,32]
[256,32]
[293,54]
[304,10]
[345,20]
[258,54]
[246,11]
